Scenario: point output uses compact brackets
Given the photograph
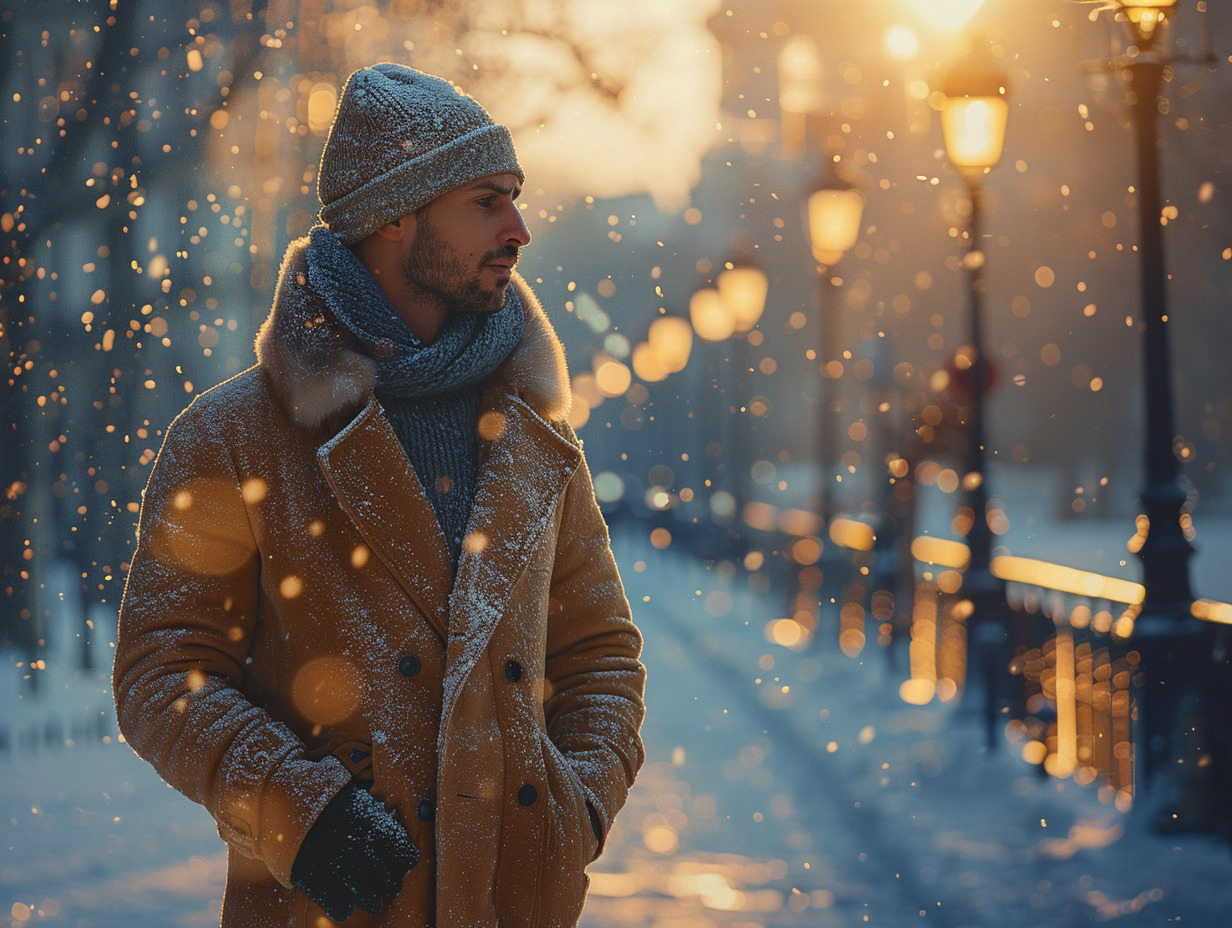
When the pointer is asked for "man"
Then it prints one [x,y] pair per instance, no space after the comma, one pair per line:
[373,622]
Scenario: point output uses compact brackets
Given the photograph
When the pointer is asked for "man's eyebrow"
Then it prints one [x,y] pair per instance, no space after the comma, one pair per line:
[507,189]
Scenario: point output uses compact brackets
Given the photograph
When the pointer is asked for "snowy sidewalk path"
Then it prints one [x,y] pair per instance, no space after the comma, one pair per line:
[736,819]
[901,818]
[781,789]
[90,837]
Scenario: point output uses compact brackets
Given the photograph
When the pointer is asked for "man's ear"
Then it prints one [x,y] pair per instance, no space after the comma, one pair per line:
[398,229]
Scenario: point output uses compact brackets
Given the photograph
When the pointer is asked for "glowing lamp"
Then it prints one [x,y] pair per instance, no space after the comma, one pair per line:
[710,319]
[974,115]
[671,340]
[974,130]
[647,364]
[611,376]
[833,215]
[801,91]
[742,293]
[902,43]
[1146,15]
[950,15]
[800,76]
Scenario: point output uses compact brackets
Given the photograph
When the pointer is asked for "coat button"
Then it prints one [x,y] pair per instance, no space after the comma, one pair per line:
[528,794]
[409,665]
[426,810]
[513,671]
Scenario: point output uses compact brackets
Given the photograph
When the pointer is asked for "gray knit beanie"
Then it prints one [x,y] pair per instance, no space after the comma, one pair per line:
[399,139]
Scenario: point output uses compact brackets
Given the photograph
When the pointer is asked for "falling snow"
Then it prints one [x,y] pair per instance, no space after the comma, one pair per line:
[157,163]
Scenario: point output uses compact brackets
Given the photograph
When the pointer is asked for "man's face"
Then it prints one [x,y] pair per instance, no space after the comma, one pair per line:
[466,243]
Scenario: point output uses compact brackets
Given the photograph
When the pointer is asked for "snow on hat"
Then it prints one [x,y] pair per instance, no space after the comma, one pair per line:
[399,139]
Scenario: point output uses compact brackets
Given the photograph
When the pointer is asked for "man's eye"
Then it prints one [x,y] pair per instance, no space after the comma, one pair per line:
[486,202]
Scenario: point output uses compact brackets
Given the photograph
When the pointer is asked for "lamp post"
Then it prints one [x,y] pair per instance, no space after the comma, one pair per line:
[801,91]
[1169,639]
[728,310]
[833,211]
[710,322]
[742,287]
[973,120]
[1165,552]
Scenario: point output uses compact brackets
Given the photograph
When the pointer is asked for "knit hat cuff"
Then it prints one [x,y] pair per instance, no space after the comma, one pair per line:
[410,185]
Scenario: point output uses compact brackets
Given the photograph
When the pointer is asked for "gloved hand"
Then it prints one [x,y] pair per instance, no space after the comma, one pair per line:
[355,854]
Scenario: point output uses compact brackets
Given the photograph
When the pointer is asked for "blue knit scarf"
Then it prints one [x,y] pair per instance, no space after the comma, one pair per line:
[431,393]
[468,348]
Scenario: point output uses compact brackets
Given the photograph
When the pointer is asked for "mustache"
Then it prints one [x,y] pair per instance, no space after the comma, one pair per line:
[504,251]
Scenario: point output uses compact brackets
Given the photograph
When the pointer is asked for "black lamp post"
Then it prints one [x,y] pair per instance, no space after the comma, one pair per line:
[1165,552]
[727,310]
[833,212]
[1170,640]
[742,287]
[974,118]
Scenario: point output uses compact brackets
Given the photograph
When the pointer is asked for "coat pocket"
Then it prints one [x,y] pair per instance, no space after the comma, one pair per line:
[570,843]
[571,837]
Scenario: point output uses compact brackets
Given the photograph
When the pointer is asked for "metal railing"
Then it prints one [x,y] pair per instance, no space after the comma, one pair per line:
[1069,691]
[1060,677]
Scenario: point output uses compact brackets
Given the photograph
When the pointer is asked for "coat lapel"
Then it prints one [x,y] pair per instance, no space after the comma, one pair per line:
[524,468]
[373,480]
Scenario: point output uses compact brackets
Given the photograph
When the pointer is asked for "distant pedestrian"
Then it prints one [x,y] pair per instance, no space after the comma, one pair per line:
[373,622]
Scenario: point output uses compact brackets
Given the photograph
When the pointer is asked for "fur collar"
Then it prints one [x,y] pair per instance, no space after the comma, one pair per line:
[318,374]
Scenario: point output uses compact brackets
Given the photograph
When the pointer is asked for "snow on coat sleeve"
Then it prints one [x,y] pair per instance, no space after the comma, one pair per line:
[186,622]
[595,680]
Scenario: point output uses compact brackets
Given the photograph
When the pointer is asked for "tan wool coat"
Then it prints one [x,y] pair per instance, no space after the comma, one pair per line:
[292,620]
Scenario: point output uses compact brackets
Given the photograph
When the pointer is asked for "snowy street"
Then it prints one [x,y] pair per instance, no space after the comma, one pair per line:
[889,340]
[780,789]
[806,793]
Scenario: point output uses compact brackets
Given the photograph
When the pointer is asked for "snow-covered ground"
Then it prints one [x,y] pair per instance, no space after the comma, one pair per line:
[781,788]
[876,812]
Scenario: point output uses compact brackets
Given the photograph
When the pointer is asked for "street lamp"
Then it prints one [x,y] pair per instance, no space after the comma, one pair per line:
[669,341]
[1147,17]
[1165,552]
[742,287]
[709,317]
[730,308]
[801,91]
[1169,639]
[833,212]
[973,120]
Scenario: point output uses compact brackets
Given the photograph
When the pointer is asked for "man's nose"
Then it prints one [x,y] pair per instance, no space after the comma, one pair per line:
[517,233]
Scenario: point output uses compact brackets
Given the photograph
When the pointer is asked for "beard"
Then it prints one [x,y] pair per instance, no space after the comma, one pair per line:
[435,268]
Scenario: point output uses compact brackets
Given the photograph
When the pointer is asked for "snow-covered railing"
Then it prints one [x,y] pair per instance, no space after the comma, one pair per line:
[1076,663]
[1059,667]
[1070,692]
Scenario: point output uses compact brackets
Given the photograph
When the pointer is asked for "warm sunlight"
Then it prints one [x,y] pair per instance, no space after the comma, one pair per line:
[947,14]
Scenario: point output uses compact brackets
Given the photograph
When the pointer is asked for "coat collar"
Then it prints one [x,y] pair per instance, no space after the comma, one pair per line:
[525,465]
[320,376]
[365,471]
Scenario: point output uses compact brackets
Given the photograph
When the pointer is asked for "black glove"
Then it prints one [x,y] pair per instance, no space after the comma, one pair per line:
[355,854]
